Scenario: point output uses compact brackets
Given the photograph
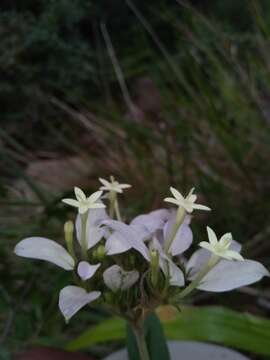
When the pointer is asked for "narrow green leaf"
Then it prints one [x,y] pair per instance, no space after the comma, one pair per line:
[155,340]
[214,324]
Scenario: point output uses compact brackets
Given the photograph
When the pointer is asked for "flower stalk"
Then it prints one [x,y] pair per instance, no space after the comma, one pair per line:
[141,343]
[214,259]
[180,216]
[68,230]
[84,218]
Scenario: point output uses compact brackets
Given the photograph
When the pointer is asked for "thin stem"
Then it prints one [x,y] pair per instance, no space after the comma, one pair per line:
[141,343]
[84,218]
[117,210]
[112,197]
[211,263]
[180,216]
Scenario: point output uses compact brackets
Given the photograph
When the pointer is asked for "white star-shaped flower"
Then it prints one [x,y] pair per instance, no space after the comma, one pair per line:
[220,247]
[188,203]
[84,203]
[113,186]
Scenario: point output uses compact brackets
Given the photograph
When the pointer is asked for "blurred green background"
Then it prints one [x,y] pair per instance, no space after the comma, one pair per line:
[157,93]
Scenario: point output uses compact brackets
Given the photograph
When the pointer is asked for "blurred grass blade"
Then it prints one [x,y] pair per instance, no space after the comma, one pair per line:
[214,324]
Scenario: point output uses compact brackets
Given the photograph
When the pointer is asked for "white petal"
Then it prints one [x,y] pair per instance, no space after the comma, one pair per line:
[80,195]
[45,249]
[116,278]
[230,254]
[228,275]
[105,182]
[173,201]
[73,298]
[176,194]
[116,244]
[206,245]
[201,257]
[71,202]
[212,236]
[201,207]
[125,186]
[86,270]
[94,197]
[191,193]
[130,234]
[225,239]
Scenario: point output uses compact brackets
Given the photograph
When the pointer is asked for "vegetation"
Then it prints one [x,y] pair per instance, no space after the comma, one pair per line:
[156,95]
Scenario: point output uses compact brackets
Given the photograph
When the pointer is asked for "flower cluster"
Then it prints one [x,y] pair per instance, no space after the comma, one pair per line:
[134,267]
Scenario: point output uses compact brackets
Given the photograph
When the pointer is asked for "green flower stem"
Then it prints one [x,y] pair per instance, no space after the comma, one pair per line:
[211,263]
[84,218]
[117,210]
[141,343]
[180,216]
[68,230]
[112,198]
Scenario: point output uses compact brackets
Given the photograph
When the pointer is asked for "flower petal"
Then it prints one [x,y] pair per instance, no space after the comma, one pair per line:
[125,186]
[176,194]
[86,270]
[73,298]
[152,221]
[201,207]
[80,195]
[131,234]
[228,275]
[211,236]
[173,201]
[104,182]
[116,278]
[183,238]
[45,249]
[94,232]
[94,197]
[116,244]
[71,202]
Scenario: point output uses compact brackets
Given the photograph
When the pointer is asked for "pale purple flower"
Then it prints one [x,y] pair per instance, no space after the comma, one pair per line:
[226,274]
[94,231]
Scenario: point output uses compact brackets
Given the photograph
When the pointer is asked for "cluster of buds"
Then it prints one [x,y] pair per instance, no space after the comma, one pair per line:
[133,268]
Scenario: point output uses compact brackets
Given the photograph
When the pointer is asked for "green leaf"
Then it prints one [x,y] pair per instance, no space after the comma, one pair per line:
[155,340]
[214,324]
[107,330]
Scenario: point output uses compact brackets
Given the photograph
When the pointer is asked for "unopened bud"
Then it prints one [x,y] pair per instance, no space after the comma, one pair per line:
[68,230]
[101,252]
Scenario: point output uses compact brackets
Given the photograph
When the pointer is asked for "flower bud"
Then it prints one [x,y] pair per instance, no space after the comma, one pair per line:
[100,252]
[68,230]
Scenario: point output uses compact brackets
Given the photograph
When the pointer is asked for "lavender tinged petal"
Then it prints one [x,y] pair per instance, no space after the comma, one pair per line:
[116,278]
[132,234]
[116,244]
[228,275]
[86,270]
[73,298]
[45,249]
